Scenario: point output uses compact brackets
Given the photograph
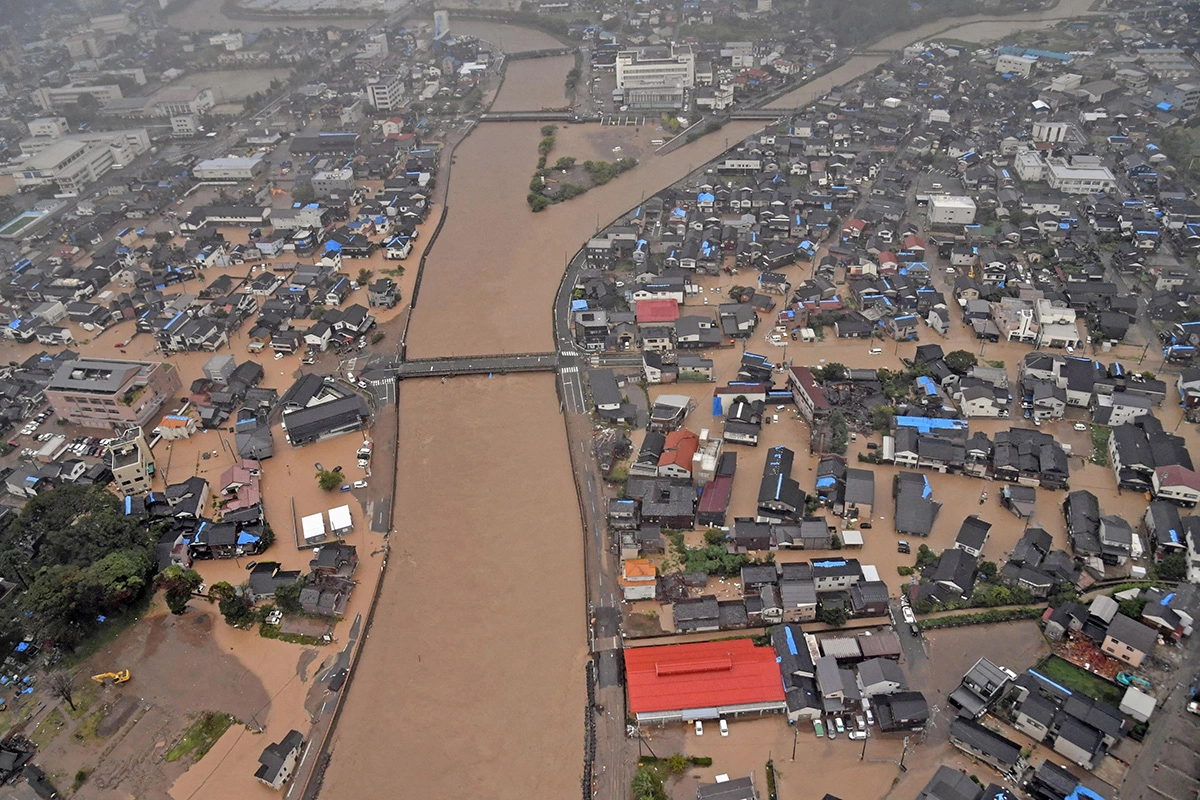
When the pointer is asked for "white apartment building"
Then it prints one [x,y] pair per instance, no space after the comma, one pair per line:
[386,93]
[1030,167]
[184,126]
[656,77]
[333,182]
[49,127]
[1015,65]
[1079,179]
[946,209]
[1050,131]
[49,99]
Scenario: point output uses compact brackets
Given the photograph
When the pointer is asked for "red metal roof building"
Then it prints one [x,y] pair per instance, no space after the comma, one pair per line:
[657,312]
[704,680]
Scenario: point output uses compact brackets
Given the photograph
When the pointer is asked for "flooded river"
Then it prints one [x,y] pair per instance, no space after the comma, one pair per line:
[471,683]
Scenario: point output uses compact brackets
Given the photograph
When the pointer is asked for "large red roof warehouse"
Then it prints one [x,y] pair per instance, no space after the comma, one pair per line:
[701,675]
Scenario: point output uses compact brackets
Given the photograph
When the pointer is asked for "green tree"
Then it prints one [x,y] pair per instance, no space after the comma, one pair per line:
[833,616]
[537,202]
[565,163]
[235,607]
[364,276]
[303,193]
[646,785]
[839,432]
[328,480]
[960,361]
[549,130]
[881,418]
[925,556]
[57,608]
[287,597]
[677,763]
[988,570]
[1172,568]
[714,537]
[832,372]
[120,576]
[179,584]
[162,237]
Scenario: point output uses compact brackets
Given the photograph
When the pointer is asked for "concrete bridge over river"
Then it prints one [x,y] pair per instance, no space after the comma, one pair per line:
[449,367]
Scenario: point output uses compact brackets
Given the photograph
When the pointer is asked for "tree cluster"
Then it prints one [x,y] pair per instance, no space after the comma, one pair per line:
[79,558]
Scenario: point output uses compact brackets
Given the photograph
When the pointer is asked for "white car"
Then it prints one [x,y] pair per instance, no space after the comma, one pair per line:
[699,728]
[278,356]
[360,484]
[1079,426]
[724,728]
[908,615]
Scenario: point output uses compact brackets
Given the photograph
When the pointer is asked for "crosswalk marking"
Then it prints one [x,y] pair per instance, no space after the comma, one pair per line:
[569,370]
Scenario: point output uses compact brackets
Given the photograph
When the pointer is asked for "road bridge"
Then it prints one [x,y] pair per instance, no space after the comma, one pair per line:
[537,116]
[763,113]
[546,53]
[475,365]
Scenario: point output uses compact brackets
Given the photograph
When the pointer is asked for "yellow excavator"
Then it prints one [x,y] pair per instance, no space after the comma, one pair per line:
[116,678]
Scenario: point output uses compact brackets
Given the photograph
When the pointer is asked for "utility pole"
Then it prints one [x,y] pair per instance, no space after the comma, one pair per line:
[795,735]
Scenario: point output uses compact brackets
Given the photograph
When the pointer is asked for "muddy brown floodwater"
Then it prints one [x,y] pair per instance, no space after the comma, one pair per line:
[471,683]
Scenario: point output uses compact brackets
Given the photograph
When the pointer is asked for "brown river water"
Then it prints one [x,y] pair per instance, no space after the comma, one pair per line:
[471,683]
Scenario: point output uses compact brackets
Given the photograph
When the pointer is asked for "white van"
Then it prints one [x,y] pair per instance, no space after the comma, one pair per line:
[876,351]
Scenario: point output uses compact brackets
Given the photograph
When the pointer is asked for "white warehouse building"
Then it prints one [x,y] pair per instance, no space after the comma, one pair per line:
[948,209]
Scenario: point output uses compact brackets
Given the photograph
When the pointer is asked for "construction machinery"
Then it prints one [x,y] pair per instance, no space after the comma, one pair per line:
[114,678]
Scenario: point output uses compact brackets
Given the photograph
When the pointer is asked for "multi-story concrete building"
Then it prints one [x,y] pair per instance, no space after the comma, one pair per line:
[50,99]
[1180,97]
[49,127]
[99,393]
[1015,65]
[656,77]
[184,126]
[76,160]
[386,93]
[70,164]
[951,210]
[1079,179]
[182,100]
[1046,131]
[333,182]
[131,461]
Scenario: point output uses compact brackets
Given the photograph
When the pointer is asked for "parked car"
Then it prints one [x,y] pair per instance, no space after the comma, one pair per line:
[837,721]
[699,728]
[724,728]
[1079,426]
[360,484]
